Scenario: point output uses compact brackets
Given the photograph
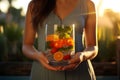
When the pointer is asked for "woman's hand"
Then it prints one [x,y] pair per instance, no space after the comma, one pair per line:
[73,63]
[44,61]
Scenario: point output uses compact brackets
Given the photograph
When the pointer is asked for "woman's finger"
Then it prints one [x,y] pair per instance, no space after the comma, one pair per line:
[75,60]
[69,67]
[46,65]
[44,61]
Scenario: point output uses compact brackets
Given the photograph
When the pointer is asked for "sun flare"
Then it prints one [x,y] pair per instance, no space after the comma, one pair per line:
[108,4]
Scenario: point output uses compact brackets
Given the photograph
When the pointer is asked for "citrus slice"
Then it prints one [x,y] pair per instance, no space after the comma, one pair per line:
[58,56]
[52,37]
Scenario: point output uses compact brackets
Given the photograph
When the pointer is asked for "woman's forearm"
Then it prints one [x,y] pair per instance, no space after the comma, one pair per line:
[90,52]
[30,52]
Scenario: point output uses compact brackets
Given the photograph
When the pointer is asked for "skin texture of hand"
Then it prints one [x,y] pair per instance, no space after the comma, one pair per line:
[70,67]
[44,61]
[73,63]
[88,53]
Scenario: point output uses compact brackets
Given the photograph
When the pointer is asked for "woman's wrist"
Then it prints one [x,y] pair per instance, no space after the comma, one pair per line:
[38,55]
[82,56]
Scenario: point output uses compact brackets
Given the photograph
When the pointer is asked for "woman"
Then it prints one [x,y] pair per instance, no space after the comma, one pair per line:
[80,12]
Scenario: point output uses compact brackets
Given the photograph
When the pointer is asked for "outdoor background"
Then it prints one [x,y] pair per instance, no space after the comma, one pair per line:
[14,63]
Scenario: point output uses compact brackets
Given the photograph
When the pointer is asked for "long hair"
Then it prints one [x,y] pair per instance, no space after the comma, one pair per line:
[40,10]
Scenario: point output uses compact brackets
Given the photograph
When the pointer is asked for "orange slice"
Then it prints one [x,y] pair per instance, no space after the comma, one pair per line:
[58,56]
[52,37]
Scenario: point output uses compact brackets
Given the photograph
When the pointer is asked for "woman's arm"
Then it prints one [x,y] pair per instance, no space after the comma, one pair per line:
[28,42]
[90,32]
[91,49]
[29,37]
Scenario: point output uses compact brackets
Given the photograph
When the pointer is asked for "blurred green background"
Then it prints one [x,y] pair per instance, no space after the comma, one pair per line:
[12,25]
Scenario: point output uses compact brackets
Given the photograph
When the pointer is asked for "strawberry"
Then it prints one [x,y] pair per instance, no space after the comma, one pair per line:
[51,44]
[53,50]
[67,57]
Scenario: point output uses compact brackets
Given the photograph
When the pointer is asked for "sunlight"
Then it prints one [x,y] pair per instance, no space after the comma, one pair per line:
[113,4]
[100,4]
[109,4]
[4,6]
[1,29]
[21,4]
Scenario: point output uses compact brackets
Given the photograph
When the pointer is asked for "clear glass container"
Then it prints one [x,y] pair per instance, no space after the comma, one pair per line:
[60,43]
